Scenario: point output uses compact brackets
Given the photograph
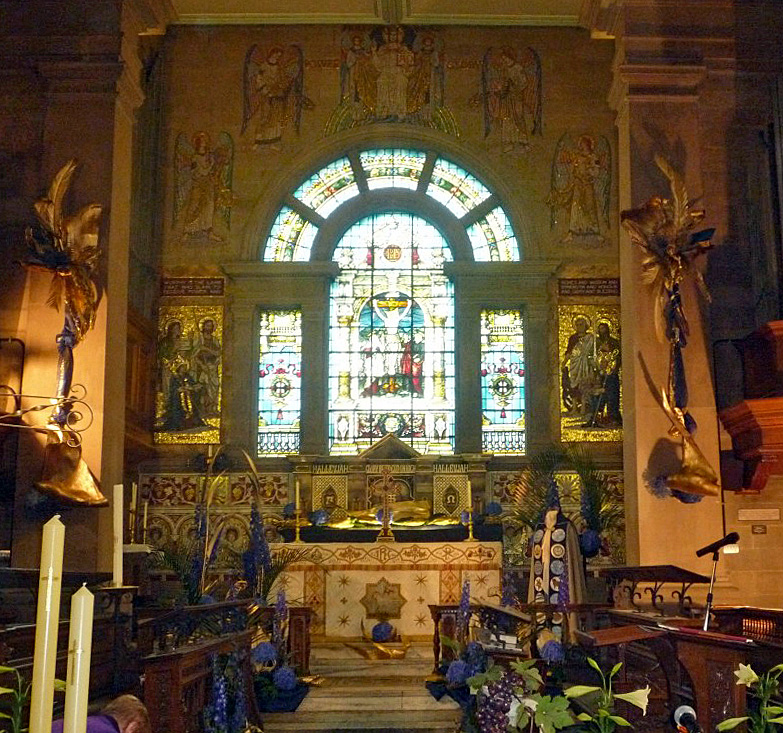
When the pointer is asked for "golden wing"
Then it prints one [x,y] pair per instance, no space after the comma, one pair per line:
[50,209]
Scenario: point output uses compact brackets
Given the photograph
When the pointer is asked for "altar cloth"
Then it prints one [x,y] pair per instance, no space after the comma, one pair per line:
[348,584]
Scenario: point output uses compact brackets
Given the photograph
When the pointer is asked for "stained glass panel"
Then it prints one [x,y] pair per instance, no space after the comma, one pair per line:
[391,339]
[290,239]
[331,186]
[455,188]
[392,168]
[493,238]
[502,381]
[279,382]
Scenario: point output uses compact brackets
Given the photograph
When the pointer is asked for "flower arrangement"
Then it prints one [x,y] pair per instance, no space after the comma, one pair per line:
[227,710]
[764,715]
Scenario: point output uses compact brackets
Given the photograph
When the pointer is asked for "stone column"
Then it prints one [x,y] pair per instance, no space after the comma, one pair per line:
[656,94]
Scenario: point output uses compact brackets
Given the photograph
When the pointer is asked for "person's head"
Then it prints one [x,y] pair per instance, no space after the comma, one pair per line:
[603,329]
[130,713]
[207,327]
[581,324]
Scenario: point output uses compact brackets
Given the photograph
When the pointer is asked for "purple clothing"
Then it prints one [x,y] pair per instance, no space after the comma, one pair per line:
[95,724]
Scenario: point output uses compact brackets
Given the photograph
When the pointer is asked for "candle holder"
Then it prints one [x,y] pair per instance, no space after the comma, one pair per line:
[470,538]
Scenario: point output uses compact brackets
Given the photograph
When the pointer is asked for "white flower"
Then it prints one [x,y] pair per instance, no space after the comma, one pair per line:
[639,698]
[745,675]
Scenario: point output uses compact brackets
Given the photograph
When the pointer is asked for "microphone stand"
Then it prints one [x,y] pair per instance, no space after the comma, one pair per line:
[715,557]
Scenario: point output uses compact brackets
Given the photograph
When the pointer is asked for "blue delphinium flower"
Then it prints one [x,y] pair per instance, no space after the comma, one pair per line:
[220,703]
[463,614]
[457,672]
[239,715]
[553,652]
[281,613]
[284,679]
[563,591]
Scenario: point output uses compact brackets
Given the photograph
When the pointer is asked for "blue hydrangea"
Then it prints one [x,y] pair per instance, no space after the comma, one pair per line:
[457,672]
[382,632]
[289,510]
[474,654]
[264,653]
[590,542]
[318,517]
[553,652]
[284,679]
[206,600]
[493,509]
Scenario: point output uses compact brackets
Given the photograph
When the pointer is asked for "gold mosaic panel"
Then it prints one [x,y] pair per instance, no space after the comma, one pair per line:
[450,493]
[190,374]
[330,491]
[589,358]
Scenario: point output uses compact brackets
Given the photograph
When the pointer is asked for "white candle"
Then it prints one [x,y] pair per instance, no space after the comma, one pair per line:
[133,512]
[77,682]
[46,626]
[470,499]
[117,507]
[297,500]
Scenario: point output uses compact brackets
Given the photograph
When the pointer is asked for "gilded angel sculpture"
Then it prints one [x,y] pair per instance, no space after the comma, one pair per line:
[67,246]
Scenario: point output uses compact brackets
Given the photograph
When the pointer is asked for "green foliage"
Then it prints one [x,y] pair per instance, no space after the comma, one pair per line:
[604,719]
[765,716]
[533,492]
[178,558]
[281,559]
[14,700]
[599,511]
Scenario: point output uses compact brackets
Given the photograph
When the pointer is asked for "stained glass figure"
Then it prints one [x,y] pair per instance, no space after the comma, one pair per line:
[279,382]
[391,338]
[502,381]
[392,168]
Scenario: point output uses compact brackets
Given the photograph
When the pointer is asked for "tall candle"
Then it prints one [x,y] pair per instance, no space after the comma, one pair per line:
[297,500]
[470,499]
[46,625]
[117,507]
[77,681]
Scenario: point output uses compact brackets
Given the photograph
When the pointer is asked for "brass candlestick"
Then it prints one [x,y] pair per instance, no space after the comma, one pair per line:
[386,533]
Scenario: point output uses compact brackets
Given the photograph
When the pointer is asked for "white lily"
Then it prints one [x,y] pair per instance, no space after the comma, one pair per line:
[639,698]
[745,675]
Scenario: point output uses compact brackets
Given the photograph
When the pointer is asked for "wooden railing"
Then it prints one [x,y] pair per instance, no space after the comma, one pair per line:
[760,624]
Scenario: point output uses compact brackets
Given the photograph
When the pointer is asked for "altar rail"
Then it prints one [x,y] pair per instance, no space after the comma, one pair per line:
[178,683]
[168,630]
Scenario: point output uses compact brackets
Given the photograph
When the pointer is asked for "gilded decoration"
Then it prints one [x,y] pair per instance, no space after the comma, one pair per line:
[510,97]
[383,600]
[330,492]
[202,200]
[590,373]
[450,492]
[274,94]
[580,189]
[190,370]
[391,74]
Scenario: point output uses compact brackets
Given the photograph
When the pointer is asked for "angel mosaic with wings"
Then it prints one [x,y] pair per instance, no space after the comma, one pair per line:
[273,92]
[511,95]
[202,201]
[580,187]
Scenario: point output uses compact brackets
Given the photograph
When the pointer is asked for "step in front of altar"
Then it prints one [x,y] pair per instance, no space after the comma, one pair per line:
[385,696]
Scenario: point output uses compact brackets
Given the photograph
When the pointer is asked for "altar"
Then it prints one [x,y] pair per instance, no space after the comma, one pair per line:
[350,584]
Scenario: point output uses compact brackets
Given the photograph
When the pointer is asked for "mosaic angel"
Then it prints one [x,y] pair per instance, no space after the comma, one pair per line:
[202,201]
[511,96]
[273,92]
[580,187]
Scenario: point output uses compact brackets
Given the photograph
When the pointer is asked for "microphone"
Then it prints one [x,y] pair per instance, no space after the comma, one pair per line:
[729,539]
[685,719]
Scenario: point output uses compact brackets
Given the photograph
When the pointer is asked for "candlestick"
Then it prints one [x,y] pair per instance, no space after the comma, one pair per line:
[77,681]
[46,624]
[117,508]
[296,515]
[133,514]
[471,538]
[144,521]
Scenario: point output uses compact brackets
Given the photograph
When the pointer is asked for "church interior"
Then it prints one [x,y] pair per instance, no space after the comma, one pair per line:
[353,351]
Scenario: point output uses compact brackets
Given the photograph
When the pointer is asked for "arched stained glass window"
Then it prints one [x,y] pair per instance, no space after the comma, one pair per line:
[461,193]
[391,337]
